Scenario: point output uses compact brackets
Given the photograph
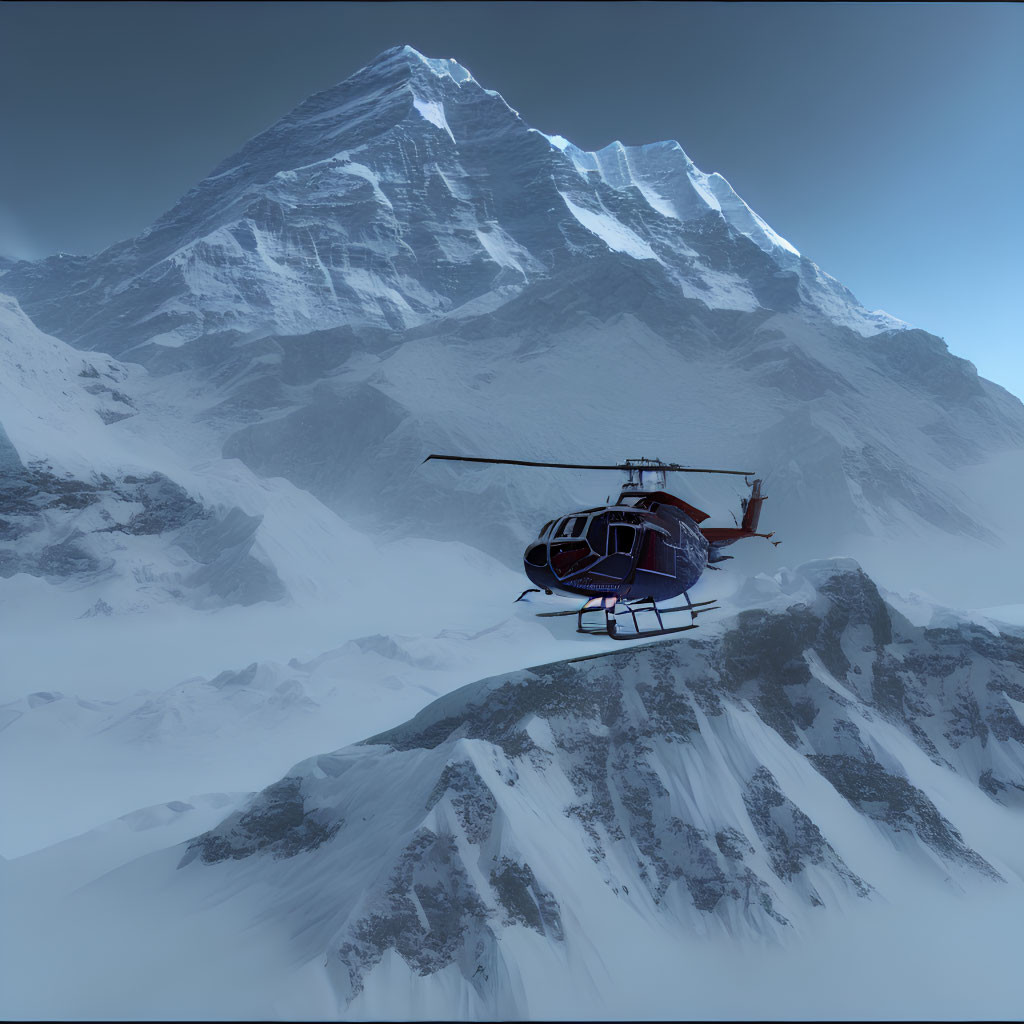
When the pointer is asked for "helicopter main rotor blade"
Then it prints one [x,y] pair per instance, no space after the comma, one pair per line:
[669,467]
[518,462]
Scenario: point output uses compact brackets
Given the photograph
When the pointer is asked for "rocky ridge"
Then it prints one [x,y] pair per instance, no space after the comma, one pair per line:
[673,776]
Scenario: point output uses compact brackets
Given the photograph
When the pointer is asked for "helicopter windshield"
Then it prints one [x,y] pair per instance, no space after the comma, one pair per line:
[572,526]
[621,538]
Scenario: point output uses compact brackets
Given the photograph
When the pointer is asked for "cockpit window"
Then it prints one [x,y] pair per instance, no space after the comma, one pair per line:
[620,538]
[537,555]
[570,559]
[572,527]
[544,529]
[636,518]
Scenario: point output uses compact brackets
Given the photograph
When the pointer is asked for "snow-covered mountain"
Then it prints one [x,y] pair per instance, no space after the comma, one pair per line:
[559,836]
[111,490]
[402,265]
[406,194]
[693,775]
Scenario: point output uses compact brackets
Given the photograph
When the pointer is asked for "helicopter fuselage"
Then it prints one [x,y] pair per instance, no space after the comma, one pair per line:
[646,545]
[625,558]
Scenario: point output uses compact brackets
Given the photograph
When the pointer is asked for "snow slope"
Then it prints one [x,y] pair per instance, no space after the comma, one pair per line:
[82,498]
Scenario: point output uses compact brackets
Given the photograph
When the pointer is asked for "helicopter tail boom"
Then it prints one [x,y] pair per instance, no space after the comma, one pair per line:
[720,536]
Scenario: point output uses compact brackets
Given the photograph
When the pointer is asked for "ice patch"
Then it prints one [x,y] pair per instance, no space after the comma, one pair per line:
[612,232]
[433,112]
[507,252]
[721,196]
[557,141]
[364,172]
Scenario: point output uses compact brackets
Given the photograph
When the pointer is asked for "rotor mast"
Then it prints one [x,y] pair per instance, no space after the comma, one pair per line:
[635,469]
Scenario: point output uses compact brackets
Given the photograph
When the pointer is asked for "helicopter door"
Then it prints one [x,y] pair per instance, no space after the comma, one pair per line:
[622,542]
[657,555]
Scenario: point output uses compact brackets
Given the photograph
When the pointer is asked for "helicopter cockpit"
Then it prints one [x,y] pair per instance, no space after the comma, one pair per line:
[579,541]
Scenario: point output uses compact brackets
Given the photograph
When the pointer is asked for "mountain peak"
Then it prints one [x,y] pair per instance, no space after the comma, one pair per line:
[442,67]
[350,173]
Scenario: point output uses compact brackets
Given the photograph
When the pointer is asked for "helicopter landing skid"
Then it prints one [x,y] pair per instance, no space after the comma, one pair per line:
[613,609]
[698,605]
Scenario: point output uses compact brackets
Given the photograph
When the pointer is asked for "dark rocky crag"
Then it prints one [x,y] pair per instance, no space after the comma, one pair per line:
[62,528]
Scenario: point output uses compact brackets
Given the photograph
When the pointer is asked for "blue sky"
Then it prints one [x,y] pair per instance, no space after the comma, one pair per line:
[885,141]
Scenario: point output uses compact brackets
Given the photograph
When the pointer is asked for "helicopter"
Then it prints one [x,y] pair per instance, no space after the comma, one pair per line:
[625,557]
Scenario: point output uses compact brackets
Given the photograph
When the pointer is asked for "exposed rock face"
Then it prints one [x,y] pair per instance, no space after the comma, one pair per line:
[62,528]
[794,840]
[632,769]
[75,506]
[470,798]
[34,500]
[430,914]
[276,822]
